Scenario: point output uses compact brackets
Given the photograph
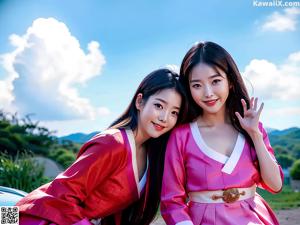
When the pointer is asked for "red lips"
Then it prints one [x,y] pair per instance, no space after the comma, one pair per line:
[158,127]
[211,102]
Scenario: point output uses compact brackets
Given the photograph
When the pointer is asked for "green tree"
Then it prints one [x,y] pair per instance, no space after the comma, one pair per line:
[278,149]
[296,150]
[23,135]
[295,170]
[63,156]
[285,160]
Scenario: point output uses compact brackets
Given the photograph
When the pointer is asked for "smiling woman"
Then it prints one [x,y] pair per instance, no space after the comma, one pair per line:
[117,176]
[161,110]
[223,153]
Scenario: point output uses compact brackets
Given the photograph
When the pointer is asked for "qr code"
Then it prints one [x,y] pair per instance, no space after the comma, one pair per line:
[9,215]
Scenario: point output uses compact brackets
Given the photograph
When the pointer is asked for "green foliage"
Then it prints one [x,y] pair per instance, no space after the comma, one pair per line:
[287,142]
[280,150]
[295,170]
[63,156]
[286,199]
[70,145]
[296,150]
[285,160]
[22,172]
[23,135]
[66,159]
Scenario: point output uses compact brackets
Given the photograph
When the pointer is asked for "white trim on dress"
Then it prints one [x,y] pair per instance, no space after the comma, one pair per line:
[229,162]
[185,222]
[131,140]
[235,155]
[203,147]
[140,184]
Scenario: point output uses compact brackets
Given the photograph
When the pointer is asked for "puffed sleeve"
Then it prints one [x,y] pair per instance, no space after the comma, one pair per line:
[61,201]
[271,152]
[174,209]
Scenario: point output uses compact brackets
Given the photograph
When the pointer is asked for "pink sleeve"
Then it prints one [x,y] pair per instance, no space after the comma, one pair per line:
[173,196]
[84,221]
[271,151]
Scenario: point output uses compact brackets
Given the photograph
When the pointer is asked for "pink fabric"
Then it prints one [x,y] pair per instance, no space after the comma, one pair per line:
[32,220]
[189,169]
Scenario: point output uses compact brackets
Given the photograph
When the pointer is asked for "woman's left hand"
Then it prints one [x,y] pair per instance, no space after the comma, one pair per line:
[251,116]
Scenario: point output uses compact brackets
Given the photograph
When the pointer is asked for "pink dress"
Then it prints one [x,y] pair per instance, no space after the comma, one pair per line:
[192,166]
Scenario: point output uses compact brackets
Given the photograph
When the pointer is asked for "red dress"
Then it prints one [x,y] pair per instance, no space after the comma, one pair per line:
[101,182]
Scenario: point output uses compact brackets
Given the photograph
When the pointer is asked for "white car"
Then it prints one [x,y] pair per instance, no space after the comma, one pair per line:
[10,196]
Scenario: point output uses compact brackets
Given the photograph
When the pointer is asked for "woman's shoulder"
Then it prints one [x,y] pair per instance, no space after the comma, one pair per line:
[109,135]
[109,140]
[182,129]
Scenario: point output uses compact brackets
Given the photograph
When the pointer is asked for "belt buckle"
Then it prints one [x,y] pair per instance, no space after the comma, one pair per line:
[231,195]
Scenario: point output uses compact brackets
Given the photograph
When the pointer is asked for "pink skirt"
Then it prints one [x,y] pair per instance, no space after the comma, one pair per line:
[33,220]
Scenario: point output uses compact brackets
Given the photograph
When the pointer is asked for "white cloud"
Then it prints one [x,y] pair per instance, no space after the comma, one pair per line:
[278,86]
[281,118]
[289,111]
[45,70]
[281,22]
[173,67]
[270,81]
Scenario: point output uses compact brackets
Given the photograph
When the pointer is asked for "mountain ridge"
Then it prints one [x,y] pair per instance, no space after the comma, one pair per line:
[82,137]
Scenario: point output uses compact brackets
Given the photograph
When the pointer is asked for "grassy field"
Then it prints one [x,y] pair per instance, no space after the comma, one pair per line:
[286,199]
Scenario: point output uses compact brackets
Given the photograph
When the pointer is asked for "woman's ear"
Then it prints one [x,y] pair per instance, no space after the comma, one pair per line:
[139,101]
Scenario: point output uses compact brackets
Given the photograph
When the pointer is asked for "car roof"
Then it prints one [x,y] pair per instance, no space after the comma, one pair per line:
[12,191]
[10,196]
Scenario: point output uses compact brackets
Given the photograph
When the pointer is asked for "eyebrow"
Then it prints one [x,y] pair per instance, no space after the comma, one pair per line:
[212,76]
[164,101]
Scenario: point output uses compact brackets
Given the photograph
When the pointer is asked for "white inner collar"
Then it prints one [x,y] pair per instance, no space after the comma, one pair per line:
[140,184]
[229,162]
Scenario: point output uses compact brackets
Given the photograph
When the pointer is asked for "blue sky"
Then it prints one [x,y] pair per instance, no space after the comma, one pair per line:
[76,64]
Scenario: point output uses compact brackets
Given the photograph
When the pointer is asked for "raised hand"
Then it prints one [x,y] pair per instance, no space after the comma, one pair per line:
[251,116]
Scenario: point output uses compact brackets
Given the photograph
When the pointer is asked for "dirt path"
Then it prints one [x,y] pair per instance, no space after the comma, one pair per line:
[286,217]
[289,216]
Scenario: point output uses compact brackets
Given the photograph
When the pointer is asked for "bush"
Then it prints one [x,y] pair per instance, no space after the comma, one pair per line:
[296,151]
[63,157]
[66,159]
[22,172]
[295,170]
[285,160]
[280,150]
[23,135]
[55,153]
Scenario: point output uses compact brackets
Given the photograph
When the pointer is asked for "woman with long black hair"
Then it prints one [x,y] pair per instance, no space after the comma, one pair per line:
[116,178]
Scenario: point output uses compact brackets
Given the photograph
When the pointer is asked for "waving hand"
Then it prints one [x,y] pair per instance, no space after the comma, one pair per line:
[251,116]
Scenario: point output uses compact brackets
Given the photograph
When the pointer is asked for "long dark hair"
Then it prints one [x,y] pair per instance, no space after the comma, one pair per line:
[144,210]
[214,55]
